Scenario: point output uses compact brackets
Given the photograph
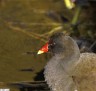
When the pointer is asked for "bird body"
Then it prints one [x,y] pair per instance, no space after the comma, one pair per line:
[85,72]
[82,78]
[68,69]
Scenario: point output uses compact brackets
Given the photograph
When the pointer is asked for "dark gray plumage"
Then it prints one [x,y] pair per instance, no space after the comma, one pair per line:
[68,70]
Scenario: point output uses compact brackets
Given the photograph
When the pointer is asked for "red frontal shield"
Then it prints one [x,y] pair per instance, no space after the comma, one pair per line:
[43,49]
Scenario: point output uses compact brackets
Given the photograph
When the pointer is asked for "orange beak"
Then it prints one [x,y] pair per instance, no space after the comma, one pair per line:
[43,49]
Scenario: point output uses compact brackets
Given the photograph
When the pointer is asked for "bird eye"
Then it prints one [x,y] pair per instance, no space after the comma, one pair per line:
[54,43]
[51,45]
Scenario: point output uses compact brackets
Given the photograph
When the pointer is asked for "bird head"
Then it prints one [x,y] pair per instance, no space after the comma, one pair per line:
[58,43]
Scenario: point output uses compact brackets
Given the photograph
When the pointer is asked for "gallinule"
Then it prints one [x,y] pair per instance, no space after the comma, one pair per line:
[68,70]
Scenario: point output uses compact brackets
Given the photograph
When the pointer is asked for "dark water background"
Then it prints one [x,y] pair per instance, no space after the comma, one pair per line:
[23,28]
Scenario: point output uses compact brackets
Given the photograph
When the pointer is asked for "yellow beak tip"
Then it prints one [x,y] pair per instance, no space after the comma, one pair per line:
[40,52]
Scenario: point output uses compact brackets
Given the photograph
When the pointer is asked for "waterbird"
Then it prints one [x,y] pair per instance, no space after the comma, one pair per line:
[68,69]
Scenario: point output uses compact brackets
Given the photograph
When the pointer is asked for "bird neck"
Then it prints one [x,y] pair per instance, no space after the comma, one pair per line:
[69,58]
